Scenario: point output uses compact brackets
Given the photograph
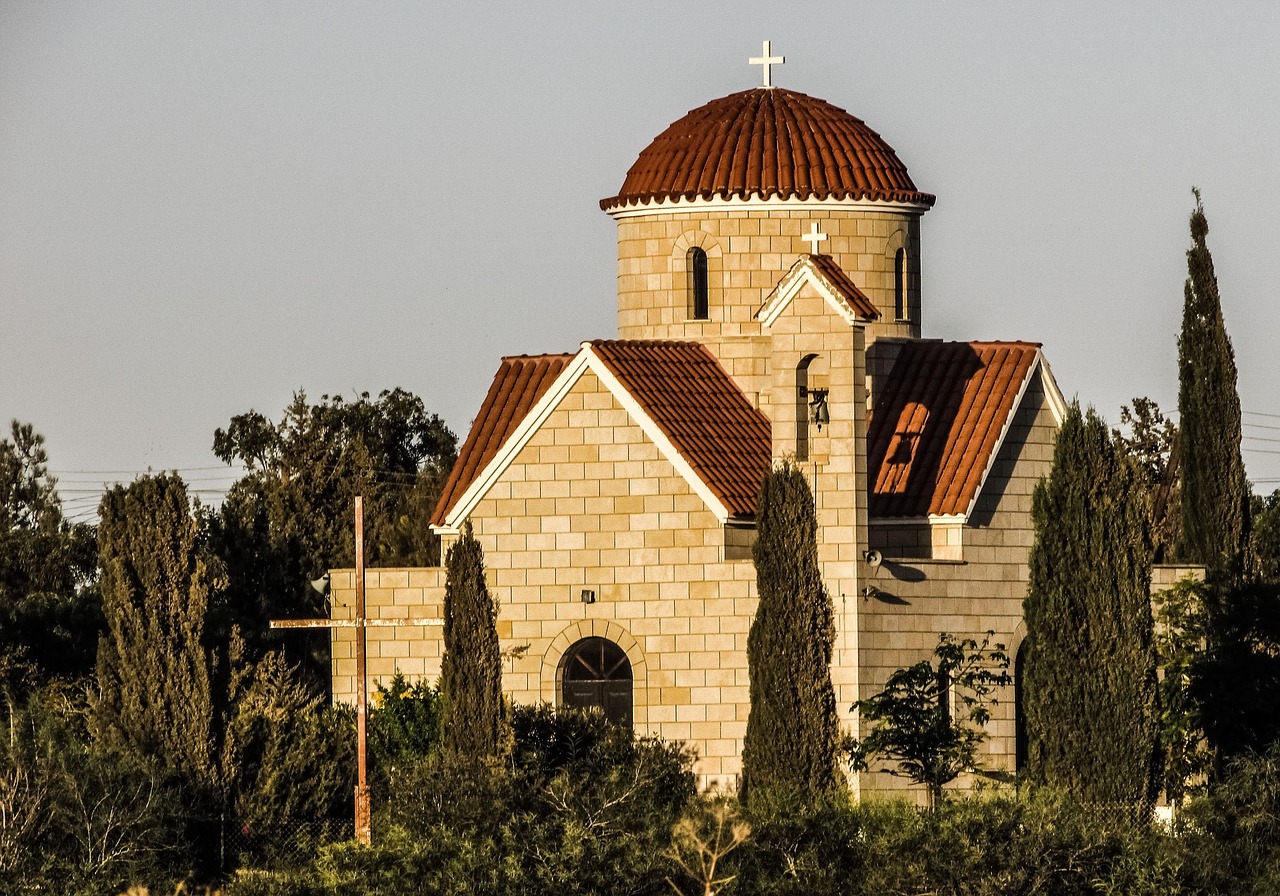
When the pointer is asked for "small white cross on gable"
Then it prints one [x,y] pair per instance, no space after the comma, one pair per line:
[765,61]
[814,236]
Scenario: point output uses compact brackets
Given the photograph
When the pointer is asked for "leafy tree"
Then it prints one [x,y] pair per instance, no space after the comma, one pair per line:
[1215,493]
[288,519]
[1090,686]
[50,617]
[1236,681]
[1152,445]
[471,668]
[1180,629]
[929,717]
[1264,536]
[792,731]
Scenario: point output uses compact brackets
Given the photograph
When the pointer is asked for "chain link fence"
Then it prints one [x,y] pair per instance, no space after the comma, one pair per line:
[283,845]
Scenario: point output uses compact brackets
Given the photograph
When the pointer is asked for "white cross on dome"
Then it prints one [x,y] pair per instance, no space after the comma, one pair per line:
[764,60]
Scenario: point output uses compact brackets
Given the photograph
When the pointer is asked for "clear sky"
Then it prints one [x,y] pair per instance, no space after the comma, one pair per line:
[207,206]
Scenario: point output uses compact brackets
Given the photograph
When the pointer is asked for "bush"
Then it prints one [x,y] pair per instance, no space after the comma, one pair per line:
[1233,832]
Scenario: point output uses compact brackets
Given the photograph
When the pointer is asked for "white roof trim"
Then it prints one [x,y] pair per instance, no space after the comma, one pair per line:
[755,203]
[534,419]
[585,360]
[1057,407]
[802,272]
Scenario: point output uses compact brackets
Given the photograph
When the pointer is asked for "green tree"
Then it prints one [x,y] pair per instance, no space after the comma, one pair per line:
[1180,631]
[50,617]
[792,730]
[1152,445]
[1090,685]
[288,519]
[1264,535]
[929,718]
[163,685]
[471,668]
[1215,493]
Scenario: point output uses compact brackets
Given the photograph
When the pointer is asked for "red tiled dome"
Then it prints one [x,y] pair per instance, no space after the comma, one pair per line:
[770,143]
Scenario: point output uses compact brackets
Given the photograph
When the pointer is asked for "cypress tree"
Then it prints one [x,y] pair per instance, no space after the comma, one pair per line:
[163,689]
[1215,493]
[1090,679]
[471,669]
[792,730]
[155,672]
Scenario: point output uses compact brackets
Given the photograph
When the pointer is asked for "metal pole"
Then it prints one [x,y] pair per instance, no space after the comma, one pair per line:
[364,827]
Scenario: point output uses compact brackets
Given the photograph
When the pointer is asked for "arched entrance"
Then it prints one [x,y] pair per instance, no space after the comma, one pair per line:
[597,673]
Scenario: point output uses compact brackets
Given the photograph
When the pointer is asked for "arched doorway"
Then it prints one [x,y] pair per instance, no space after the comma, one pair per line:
[597,673]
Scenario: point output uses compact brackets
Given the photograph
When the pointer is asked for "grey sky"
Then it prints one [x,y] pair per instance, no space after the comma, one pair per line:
[205,206]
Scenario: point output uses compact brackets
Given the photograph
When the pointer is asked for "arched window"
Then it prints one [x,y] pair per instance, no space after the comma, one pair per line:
[597,673]
[901,311]
[802,407]
[696,262]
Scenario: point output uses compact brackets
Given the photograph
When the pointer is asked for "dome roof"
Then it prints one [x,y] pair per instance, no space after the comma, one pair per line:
[771,143]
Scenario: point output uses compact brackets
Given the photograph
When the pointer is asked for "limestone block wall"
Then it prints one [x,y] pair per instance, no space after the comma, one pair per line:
[748,250]
[921,599]
[413,650]
[589,503]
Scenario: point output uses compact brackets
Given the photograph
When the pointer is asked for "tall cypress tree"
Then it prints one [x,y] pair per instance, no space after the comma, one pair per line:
[471,669]
[1090,685]
[156,673]
[1215,493]
[792,729]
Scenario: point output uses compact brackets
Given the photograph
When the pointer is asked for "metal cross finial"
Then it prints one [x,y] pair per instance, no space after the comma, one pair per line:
[764,60]
[814,236]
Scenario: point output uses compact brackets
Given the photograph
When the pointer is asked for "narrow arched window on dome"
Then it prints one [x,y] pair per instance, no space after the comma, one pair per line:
[901,310]
[696,263]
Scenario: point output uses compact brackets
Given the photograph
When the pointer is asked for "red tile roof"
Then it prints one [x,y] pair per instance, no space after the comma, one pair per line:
[681,387]
[840,281]
[768,142]
[937,420]
[685,391]
[519,383]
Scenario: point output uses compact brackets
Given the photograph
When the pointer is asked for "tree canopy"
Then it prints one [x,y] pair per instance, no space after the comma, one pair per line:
[49,612]
[288,519]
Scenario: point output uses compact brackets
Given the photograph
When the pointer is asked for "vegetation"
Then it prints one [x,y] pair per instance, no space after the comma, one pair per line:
[288,520]
[471,668]
[1152,446]
[163,688]
[789,752]
[1215,493]
[1180,615]
[929,718]
[50,616]
[1088,614]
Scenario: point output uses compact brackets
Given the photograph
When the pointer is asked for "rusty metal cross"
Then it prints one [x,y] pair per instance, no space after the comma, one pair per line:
[364,826]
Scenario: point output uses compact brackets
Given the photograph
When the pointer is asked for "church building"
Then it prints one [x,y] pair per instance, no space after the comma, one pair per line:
[769,308]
